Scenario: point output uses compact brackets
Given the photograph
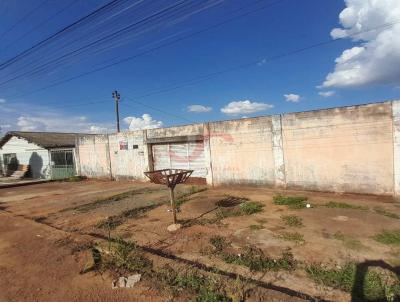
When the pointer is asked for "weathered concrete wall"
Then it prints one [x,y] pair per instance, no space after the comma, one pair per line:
[29,154]
[396,146]
[241,151]
[347,149]
[94,156]
[130,160]
[187,130]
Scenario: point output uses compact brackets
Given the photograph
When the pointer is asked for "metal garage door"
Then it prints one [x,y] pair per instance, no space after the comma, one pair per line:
[180,156]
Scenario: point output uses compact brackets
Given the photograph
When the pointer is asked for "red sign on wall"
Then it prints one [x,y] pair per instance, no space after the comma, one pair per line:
[123,145]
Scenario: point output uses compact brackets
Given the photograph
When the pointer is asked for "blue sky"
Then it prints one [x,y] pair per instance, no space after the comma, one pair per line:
[290,83]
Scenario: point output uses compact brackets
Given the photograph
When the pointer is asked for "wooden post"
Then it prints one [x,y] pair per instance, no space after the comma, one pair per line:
[171,191]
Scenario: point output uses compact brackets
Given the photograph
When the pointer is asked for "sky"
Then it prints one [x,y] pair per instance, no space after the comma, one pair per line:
[201,61]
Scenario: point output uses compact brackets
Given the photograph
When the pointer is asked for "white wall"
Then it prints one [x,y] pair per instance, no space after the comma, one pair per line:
[29,154]
[129,163]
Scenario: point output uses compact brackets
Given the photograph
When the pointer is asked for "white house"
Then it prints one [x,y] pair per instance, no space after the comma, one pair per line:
[50,155]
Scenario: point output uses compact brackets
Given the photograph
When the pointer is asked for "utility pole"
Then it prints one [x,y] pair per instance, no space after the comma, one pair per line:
[116,97]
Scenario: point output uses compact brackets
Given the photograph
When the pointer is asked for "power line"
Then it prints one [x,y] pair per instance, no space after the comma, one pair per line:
[207,76]
[210,75]
[58,33]
[149,50]
[41,24]
[108,37]
[22,19]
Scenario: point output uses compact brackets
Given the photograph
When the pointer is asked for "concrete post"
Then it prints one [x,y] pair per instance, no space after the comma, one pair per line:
[396,148]
[207,153]
[277,150]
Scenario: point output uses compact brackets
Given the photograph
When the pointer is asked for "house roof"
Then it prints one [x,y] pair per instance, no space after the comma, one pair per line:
[44,139]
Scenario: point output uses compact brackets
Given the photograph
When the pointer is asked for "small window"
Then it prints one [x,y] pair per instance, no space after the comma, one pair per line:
[135,147]
[10,161]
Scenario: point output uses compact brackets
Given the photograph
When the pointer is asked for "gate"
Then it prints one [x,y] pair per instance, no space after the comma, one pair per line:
[62,163]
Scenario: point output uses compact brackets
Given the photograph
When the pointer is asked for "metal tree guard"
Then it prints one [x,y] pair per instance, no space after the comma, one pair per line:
[170,178]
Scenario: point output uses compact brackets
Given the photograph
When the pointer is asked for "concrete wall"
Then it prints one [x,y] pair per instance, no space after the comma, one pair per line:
[131,162]
[29,154]
[348,149]
[92,152]
[241,151]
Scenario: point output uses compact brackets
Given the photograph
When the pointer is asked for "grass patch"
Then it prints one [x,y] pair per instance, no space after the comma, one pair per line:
[124,257]
[252,257]
[219,243]
[292,236]
[206,289]
[113,221]
[348,241]
[247,208]
[106,201]
[375,286]
[292,220]
[293,202]
[75,178]
[255,260]
[256,227]
[388,237]
[343,205]
[384,212]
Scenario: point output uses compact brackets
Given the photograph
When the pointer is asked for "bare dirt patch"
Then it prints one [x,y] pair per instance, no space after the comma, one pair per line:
[248,218]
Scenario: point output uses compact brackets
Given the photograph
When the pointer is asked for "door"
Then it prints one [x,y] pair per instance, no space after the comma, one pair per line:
[180,156]
[62,163]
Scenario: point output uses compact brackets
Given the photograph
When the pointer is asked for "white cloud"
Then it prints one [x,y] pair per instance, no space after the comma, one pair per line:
[375,60]
[26,123]
[261,62]
[34,117]
[198,108]
[294,98]
[326,94]
[244,107]
[98,129]
[144,122]
[2,101]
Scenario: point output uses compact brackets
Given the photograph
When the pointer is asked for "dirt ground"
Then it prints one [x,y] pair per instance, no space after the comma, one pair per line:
[46,231]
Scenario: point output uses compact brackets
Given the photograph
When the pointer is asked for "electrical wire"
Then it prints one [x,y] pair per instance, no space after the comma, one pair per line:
[156,48]
[22,19]
[73,2]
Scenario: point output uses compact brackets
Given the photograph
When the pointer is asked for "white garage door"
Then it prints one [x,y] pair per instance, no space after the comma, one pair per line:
[180,156]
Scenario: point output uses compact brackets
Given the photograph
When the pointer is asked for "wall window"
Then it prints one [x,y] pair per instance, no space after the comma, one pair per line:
[10,161]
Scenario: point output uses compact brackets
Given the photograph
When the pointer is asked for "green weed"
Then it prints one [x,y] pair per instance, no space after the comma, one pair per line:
[75,178]
[292,236]
[125,256]
[206,289]
[388,237]
[256,227]
[251,207]
[114,221]
[293,202]
[343,205]
[348,241]
[384,212]
[375,286]
[219,243]
[255,260]
[292,220]
[247,208]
